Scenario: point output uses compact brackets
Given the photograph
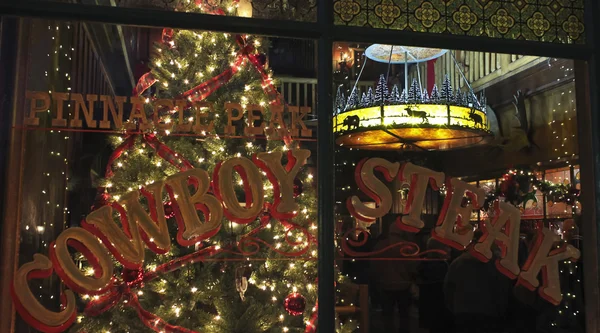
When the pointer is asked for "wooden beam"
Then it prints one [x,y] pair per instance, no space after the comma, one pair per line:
[511,68]
[588,120]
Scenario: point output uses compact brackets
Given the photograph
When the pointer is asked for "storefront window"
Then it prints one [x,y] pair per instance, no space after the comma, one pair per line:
[185,202]
[458,205]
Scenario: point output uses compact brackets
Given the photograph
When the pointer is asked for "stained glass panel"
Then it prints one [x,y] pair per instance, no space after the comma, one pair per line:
[555,21]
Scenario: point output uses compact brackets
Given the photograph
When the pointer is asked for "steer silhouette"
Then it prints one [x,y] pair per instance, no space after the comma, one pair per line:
[417,114]
[351,122]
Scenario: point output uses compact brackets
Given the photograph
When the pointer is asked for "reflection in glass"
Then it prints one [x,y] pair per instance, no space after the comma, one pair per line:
[416,225]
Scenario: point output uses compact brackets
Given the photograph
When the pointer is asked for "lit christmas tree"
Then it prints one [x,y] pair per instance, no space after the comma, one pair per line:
[435,94]
[414,93]
[381,91]
[394,95]
[275,292]
[446,91]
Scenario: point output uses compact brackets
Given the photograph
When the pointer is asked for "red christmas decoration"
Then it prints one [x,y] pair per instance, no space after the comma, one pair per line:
[294,304]
[167,36]
[262,59]
[132,276]
[297,187]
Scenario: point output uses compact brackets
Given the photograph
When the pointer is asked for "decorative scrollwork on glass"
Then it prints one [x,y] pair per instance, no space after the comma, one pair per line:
[400,250]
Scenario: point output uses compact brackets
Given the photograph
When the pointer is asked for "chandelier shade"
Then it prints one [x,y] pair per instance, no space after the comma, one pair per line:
[416,119]
[396,54]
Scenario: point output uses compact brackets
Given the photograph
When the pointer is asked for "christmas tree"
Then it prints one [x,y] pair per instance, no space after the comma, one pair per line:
[425,96]
[446,91]
[250,287]
[435,94]
[403,96]
[414,93]
[381,91]
[364,101]
[482,100]
[459,97]
[370,97]
[395,95]
[353,99]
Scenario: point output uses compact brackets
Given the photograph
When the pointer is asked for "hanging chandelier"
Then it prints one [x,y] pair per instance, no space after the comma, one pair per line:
[414,119]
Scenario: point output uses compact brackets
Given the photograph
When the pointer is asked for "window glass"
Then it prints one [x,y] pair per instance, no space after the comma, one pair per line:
[453,167]
[290,10]
[166,181]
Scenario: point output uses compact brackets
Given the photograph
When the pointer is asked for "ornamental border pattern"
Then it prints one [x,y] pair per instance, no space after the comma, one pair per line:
[552,21]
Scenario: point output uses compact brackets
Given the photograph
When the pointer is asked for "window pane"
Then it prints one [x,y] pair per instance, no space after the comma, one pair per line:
[291,10]
[456,176]
[168,179]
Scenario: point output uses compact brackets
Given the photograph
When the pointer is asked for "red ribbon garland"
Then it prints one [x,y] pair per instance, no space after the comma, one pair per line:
[267,84]
[161,149]
[167,153]
[205,89]
[124,291]
[126,145]
[145,82]
[311,326]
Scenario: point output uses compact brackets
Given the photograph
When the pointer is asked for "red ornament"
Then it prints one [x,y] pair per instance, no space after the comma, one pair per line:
[297,187]
[169,212]
[294,304]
